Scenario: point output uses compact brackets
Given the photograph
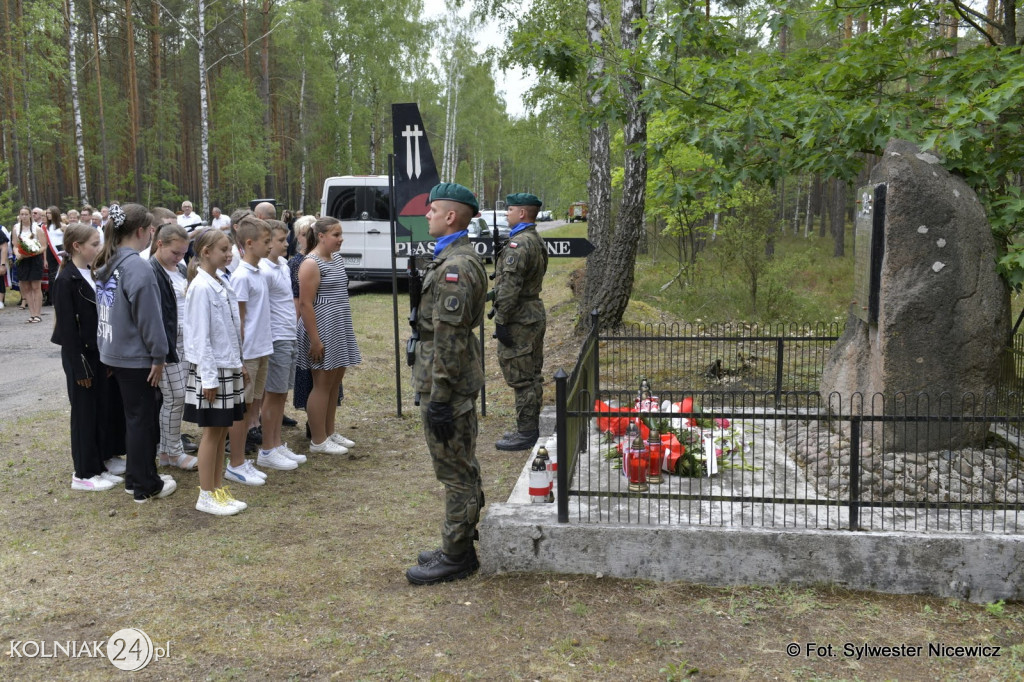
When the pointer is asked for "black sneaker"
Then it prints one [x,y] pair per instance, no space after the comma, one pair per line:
[520,440]
[288,421]
[443,569]
[254,437]
[188,445]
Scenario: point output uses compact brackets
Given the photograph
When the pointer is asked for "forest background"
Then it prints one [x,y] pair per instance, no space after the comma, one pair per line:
[684,124]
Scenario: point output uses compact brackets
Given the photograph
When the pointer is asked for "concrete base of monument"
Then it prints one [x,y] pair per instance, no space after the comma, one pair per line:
[519,536]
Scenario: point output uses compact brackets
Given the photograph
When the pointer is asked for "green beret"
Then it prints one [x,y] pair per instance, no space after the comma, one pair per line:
[454,192]
[523,199]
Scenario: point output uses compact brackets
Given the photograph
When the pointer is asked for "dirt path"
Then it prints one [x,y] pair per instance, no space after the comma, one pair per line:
[32,378]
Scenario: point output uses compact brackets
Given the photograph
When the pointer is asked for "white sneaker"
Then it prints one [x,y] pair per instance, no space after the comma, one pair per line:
[170,485]
[210,503]
[224,495]
[293,456]
[94,484]
[341,440]
[328,447]
[243,474]
[115,465]
[251,468]
[107,476]
[272,459]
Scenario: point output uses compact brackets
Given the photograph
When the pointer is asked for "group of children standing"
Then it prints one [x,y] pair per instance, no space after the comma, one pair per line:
[165,344]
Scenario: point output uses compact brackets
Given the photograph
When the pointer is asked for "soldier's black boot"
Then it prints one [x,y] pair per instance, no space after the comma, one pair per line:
[428,555]
[520,440]
[444,568]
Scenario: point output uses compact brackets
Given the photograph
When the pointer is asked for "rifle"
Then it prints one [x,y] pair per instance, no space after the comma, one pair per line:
[497,245]
[415,294]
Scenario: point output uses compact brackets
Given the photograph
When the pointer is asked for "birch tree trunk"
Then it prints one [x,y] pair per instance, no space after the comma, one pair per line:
[204,112]
[76,106]
[600,181]
[351,116]
[616,280]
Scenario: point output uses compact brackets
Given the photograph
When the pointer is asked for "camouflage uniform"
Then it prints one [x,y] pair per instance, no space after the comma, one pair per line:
[519,276]
[448,370]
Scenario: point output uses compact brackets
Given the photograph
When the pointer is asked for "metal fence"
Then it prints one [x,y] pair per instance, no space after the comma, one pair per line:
[760,447]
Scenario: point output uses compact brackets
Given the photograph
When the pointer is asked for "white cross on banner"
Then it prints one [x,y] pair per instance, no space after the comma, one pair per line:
[412,167]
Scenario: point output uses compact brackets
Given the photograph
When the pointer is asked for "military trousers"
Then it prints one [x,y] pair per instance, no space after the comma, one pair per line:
[521,365]
[456,466]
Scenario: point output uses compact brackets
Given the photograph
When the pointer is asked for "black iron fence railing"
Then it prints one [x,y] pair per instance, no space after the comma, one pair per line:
[767,450]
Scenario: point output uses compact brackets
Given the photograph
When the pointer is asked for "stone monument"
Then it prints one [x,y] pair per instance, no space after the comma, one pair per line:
[941,317]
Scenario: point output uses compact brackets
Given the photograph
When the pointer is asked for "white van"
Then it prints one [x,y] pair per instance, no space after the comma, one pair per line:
[361,203]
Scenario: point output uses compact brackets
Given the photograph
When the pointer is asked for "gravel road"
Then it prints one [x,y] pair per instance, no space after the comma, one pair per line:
[32,378]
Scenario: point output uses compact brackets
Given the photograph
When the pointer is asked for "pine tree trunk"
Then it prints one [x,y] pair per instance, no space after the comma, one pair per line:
[30,170]
[245,41]
[265,93]
[133,100]
[10,111]
[99,99]
[837,217]
[302,133]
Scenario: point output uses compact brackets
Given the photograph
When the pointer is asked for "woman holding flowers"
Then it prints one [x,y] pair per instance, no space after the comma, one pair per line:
[30,248]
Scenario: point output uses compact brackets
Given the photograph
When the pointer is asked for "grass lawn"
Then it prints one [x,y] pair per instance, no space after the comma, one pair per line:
[309,581]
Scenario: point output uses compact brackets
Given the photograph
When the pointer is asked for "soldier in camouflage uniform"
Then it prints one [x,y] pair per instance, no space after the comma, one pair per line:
[448,374]
[520,319]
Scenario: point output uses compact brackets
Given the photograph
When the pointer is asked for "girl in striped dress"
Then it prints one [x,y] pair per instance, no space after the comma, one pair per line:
[326,340]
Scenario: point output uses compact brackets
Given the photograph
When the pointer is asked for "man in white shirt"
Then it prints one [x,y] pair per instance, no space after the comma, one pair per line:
[188,219]
[220,221]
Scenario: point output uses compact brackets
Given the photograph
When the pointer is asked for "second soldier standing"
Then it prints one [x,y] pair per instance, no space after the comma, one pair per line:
[520,319]
[448,375]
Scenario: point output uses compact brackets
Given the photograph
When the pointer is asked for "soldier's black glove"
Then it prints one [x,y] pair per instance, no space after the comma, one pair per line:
[441,420]
[503,335]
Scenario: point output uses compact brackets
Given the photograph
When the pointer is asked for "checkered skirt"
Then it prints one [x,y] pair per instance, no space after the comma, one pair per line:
[227,408]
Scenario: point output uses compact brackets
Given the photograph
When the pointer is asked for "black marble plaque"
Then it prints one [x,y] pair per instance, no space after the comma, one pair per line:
[870,229]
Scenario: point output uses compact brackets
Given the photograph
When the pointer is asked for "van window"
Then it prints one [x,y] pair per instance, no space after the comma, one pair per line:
[378,203]
[341,203]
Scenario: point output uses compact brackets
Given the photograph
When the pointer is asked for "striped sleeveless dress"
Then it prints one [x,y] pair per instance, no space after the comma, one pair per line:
[333,319]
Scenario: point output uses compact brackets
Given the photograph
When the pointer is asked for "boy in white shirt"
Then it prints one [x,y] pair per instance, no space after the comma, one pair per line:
[250,286]
[281,373]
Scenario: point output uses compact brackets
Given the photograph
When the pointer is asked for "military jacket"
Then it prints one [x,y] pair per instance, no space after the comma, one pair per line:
[447,366]
[519,277]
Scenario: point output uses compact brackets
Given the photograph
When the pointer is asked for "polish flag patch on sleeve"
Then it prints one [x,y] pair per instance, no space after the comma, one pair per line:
[451,277]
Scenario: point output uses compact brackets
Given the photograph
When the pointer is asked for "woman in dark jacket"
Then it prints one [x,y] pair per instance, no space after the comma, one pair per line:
[97,419]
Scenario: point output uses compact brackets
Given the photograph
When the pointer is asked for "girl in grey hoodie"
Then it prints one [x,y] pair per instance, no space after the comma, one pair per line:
[133,343]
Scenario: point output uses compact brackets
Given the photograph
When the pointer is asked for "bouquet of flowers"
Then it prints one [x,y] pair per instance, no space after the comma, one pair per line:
[693,446]
[28,246]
